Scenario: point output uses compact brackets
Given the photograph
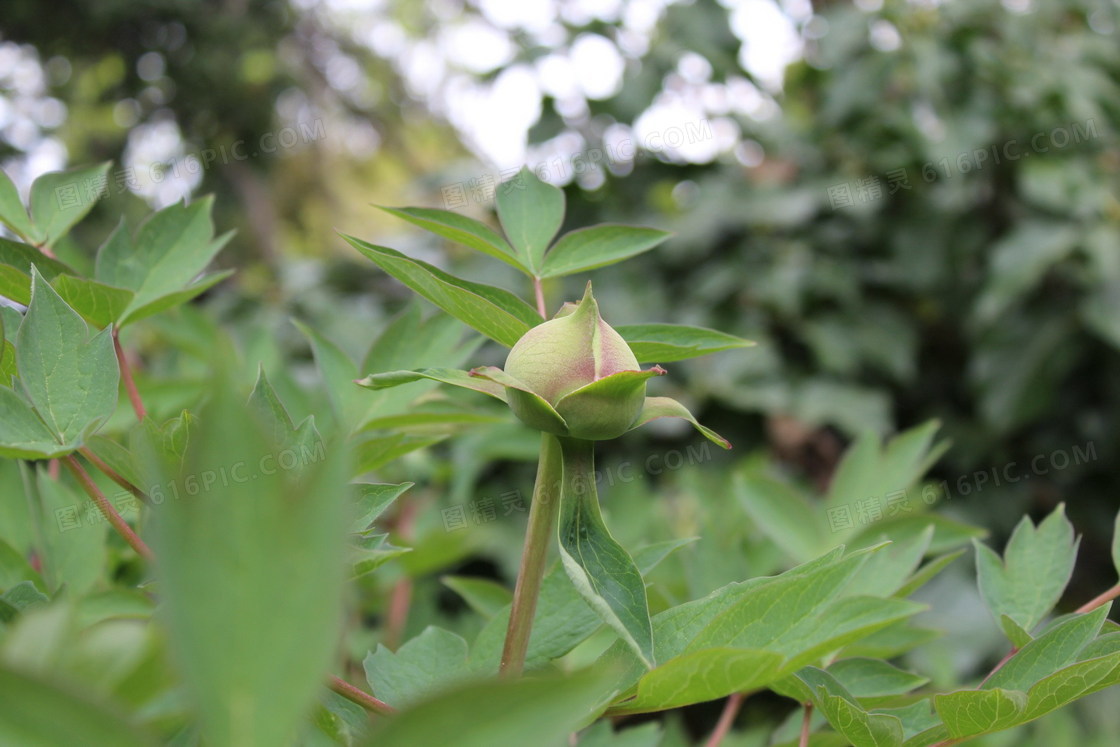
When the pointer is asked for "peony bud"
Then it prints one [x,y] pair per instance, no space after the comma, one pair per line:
[583,369]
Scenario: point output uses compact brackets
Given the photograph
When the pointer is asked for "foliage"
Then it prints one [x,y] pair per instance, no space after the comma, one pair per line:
[275,505]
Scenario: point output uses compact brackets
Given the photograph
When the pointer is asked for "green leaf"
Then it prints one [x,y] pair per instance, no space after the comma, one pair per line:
[370,500]
[176,298]
[369,551]
[665,343]
[99,304]
[249,565]
[12,213]
[374,453]
[1035,569]
[443,375]
[888,569]
[16,260]
[602,734]
[598,246]
[170,249]
[18,598]
[37,713]
[430,663]
[667,407]
[926,573]
[1014,632]
[971,712]
[484,596]
[62,198]
[70,378]
[601,569]
[485,714]
[1056,648]
[461,230]
[846,715]
[874,679]
[496,313]
[783,514]
[531,211]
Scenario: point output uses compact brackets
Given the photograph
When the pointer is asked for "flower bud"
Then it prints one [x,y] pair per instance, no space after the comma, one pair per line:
[581,367]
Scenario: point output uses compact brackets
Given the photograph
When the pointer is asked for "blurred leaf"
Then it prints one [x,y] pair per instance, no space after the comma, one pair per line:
[782,514]
[598,246]
[61,199]
[370,500]
[482,595]
[248,565]
[485,714]
[12,212]
[665,343]
[496,313]
[531,211]
[461,230]
[371,550]
[1034,571]
[37,713]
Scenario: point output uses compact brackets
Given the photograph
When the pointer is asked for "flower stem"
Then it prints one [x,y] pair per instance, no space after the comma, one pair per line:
[364,699]
[106,508]
[806,725]
[126,377]
[542,515]
[113,475]
[726,719]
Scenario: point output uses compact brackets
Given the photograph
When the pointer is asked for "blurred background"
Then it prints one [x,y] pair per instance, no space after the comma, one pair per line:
[913,206]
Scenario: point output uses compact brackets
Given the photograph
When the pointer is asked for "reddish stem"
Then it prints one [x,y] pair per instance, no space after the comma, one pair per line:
[364,699]
[1099,600]
[726,719]
[126,377]
[401,597]
[806,725]
[106,508]
[112,474]
[538,291]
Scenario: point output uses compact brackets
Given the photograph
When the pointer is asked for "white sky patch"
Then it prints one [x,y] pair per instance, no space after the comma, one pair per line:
[598,66]
[476,46]
[496,117]
[531,15]
[770,40]
[156,157]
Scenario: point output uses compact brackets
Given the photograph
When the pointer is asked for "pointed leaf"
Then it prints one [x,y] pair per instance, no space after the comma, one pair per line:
[496,313]
[12,213]
[665,343]
[1036,567]
[62,198]
[177,298]
[598,246]
[70,378]
[444,375]
[602,571]
[370,500]
[1056,648]
[531,211]
[461,230]
[667,407]
[430,663]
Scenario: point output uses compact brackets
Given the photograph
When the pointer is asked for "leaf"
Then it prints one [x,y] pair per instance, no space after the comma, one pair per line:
[1035,569]
[873,679]
[443,375]
[502,712]
[926,573]
[369,551]
[99,304]
[16,260]
[598,246]
[846,715]
[462,230]
[430,663]
[484,596]
[887,570]
[496,313]
[531,211]
[871,469]
[374,453]
[602,571]
[1014,633]
[70,378]
[562,620]
[1051,651]
[170,249]
[665,343]
[12,213]
[971,712]
[18,598]
[62,198]
[238,590]
[667,407]
[601,734]
[39,714]
[782,514]
[370,500]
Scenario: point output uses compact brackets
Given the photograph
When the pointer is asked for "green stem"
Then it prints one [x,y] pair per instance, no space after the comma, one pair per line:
[542,515]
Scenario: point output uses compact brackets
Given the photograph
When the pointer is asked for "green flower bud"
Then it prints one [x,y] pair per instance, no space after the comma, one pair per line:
[583,369]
